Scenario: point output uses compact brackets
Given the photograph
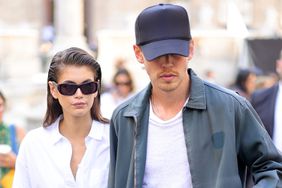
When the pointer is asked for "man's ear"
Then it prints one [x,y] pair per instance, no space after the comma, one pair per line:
[191,49]
[138,54]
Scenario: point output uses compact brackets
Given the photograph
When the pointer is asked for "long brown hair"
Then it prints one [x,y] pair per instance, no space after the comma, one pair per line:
[78,57]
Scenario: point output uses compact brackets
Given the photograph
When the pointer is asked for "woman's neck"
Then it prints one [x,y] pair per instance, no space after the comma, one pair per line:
[75,127]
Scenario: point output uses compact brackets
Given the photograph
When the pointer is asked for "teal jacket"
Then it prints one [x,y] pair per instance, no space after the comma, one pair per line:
[223,135]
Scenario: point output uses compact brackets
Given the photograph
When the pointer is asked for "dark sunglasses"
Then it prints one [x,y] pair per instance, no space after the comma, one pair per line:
[69,89]
[123,83]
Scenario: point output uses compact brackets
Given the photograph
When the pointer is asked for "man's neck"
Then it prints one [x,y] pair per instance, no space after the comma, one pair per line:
[167,104]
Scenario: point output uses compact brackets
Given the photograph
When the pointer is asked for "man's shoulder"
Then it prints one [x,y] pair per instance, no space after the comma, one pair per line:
[212,90]
[220,91]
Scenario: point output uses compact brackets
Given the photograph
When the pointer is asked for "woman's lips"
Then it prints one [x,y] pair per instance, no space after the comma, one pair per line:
[79,104]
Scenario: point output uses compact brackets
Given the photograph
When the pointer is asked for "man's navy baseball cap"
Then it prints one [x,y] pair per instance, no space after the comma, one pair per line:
[163,29]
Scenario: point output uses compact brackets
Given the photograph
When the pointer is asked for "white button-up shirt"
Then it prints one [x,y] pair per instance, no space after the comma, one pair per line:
[44,159]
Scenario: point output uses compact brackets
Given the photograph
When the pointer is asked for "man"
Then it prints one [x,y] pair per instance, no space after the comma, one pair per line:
[268,104]
[181,131]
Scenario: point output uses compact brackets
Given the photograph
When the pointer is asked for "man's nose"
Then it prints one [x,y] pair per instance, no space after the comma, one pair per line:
[167,60]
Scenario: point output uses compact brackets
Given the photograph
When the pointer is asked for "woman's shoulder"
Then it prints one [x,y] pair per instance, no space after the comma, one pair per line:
[40,133]
[100,129]
[100,125]
[35,133]
[32,139]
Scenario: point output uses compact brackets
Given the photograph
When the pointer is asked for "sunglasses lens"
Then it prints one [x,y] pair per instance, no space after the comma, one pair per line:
[123,83]
[67,89]
[89,88]
[70,89]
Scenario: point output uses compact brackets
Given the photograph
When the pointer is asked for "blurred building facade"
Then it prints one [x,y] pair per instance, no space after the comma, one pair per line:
[31,31]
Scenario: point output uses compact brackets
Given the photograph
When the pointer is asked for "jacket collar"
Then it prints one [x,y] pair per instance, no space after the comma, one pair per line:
[141,100]
[197,98]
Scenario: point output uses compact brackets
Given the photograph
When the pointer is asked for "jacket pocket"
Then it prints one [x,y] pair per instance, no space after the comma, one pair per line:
[218,140]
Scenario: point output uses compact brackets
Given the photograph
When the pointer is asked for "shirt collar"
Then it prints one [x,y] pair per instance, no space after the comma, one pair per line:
[197,98]
[96,131]
[53,130]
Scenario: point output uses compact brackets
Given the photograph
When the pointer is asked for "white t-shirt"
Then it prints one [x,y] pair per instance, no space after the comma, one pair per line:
[44,159]
[167,161]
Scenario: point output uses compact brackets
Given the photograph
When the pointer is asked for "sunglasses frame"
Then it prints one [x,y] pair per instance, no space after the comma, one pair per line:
[76,86]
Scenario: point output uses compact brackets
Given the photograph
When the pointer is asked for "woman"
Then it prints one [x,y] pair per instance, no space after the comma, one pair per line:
[72,147]
[10,138]
[245,83]
[123,89]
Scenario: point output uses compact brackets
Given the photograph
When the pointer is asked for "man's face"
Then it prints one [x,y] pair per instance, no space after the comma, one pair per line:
[168,72]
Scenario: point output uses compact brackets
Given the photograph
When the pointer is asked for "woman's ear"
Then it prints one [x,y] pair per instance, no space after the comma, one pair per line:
[138,54]
[53,90]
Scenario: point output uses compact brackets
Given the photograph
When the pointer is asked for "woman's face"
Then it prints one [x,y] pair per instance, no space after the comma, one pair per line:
[123,85]
[251,83]
[78,104]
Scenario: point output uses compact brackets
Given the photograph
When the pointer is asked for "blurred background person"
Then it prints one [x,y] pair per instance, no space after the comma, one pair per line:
[245,83]
[268,104]
[121,90]
[10,138]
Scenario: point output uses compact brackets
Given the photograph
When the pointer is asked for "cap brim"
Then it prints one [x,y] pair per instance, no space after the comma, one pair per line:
[164,47]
